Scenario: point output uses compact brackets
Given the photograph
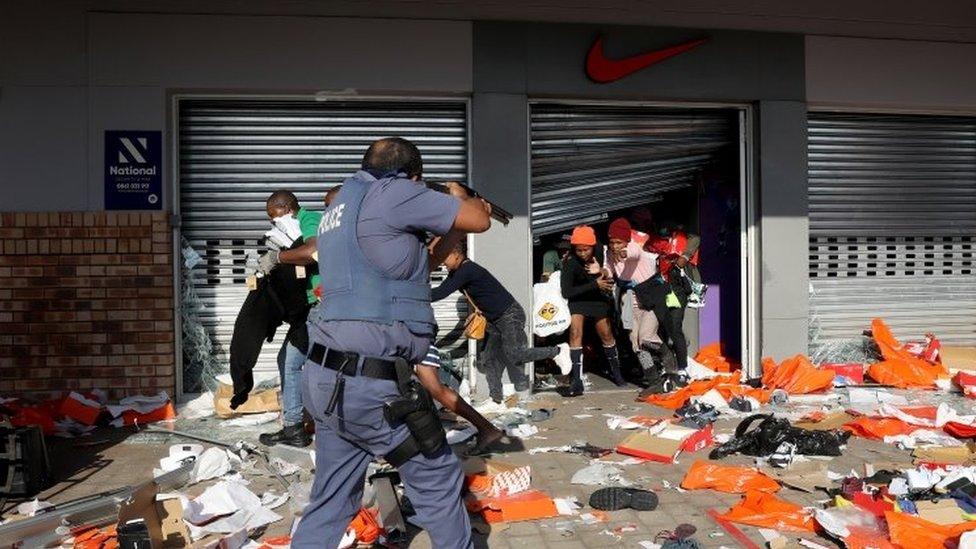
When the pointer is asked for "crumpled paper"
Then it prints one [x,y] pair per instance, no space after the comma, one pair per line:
[224,508]
[600,474]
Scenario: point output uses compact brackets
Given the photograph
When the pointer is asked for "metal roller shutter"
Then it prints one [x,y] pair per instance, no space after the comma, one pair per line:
[892,225]
[588,160]
[233,154]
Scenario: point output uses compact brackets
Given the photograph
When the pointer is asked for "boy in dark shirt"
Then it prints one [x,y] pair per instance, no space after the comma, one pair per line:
[506,345]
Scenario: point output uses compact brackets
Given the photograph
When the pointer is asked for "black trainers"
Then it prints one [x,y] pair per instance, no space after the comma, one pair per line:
[616,498]
[292,435]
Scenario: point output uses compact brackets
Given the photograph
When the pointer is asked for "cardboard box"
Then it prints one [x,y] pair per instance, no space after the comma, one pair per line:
[164,519]
[830,422]
[944,511]
[664,446]
[958,357]
[258,402]
[849,373]
[946,455]
[530,505]
[495,479]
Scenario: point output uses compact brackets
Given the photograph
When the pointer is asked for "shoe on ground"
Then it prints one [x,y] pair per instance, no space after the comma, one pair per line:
[489,406]
[291,435]
[617,498]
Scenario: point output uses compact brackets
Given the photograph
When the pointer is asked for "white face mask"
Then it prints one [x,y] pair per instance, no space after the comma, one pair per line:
[289,225]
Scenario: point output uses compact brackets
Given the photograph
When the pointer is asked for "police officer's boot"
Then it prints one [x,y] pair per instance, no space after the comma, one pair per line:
[292,435]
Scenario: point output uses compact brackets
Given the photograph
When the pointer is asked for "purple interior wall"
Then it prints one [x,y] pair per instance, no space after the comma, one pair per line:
[719,262]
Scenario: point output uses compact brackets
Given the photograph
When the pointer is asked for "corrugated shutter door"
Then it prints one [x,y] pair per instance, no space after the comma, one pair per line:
[588,160]
[233,154]
[892,225]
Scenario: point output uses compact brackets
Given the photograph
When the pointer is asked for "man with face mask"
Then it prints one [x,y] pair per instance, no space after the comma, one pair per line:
[283,209]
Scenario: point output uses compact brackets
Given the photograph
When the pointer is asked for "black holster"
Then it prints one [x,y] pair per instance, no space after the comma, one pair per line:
[415,408]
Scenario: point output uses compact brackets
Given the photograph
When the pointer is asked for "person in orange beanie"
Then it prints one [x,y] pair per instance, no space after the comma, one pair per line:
[587,286]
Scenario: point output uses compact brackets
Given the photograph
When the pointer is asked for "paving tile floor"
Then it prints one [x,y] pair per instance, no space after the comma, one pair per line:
[84,468]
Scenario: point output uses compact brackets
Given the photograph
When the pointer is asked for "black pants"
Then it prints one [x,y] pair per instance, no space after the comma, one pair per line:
[670,321]
[652,295]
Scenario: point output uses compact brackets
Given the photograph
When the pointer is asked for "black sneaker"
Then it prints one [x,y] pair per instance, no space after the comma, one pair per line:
[292,435]
[616,498]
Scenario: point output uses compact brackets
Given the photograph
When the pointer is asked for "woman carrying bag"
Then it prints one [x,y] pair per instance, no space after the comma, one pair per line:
[506,346]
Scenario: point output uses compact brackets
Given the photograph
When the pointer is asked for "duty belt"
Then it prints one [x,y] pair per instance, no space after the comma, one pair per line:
[346,363]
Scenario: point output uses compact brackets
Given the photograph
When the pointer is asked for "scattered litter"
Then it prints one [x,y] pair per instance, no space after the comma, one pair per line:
[225,508]
[458,435]
[212,463]
[567,506]
[582,416]
[30,508]
[599,474]
[251,420]
[522,430]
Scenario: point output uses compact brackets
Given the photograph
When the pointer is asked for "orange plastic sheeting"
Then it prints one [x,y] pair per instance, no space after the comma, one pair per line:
[80,411]
[796,376]
[905,374]
[911,532]
[711,356]
[729,392]
[164,412]
[729,479]
[677,399]
[899,367]
[878,428]
[366,526]
[766,511]
[860,539]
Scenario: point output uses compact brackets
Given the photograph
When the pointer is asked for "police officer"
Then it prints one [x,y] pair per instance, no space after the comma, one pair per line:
[376,316]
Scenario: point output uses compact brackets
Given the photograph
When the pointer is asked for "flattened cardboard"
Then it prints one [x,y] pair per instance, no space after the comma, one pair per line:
[530,505]
[946,455]
[164,519]
[944,511]
[958,357]
[665,446]
[258,402]
[806,476]
[833,421]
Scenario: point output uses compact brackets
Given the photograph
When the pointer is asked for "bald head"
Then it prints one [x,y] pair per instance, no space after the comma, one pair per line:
[393,154]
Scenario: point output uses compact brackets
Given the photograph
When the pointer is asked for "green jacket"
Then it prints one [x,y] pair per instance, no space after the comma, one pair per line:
[309,224]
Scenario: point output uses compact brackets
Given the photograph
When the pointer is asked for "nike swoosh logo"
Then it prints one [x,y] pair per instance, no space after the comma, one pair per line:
[603,70]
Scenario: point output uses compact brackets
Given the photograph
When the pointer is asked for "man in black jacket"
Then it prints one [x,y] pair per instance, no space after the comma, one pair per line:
[506,345]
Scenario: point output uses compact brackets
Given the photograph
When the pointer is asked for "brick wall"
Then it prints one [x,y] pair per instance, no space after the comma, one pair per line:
[86,301]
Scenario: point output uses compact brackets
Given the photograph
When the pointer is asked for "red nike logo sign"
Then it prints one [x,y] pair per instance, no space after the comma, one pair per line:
[603,70]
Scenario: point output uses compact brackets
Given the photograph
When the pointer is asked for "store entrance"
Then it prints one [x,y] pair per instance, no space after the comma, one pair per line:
[666,171]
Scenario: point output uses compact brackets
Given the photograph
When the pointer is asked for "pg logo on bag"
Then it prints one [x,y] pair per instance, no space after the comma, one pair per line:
[548,311]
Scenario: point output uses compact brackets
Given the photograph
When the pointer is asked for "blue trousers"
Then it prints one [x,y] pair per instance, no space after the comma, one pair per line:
[347,441]
[290,361]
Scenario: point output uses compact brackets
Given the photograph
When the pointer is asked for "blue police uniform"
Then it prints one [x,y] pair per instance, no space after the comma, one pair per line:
[376,304]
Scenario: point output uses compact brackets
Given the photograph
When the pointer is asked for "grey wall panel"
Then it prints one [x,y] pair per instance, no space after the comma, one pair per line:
[784,228]
[733,66]
[43,164]
[865,73]
[892,225]
[280,53]
[233,154]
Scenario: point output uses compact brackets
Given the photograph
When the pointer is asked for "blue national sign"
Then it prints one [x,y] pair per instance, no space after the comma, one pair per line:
[133,170]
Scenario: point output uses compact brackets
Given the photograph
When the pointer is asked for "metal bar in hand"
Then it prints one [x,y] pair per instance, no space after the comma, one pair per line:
[497,212]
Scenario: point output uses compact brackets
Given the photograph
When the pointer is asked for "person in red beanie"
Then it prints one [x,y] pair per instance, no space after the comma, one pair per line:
[587,287]
[632,267]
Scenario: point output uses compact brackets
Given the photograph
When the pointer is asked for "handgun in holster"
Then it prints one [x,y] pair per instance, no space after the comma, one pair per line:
[415,408]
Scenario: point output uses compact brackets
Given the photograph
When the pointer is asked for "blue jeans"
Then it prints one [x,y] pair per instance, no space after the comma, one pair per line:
[290,361]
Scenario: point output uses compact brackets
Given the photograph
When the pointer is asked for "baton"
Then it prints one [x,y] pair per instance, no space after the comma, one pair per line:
[497,212]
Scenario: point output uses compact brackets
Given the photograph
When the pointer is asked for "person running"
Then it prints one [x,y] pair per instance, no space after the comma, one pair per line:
[506,346]
[587,287]
[633,267]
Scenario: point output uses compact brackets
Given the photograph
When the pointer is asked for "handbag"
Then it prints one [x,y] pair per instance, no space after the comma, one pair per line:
[476,323]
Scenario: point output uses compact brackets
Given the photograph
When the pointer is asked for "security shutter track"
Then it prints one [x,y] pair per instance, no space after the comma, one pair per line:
[589,160]
[233,154]
[892,224]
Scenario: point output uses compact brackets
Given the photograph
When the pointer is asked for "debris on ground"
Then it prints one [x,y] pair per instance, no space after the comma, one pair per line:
[771,449]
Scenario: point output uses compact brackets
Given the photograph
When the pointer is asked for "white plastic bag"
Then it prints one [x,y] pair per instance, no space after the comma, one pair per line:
[550,310]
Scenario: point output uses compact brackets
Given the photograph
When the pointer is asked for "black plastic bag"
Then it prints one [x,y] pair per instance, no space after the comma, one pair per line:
[771,432]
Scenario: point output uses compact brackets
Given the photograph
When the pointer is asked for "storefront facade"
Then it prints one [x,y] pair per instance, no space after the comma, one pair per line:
[248,104]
